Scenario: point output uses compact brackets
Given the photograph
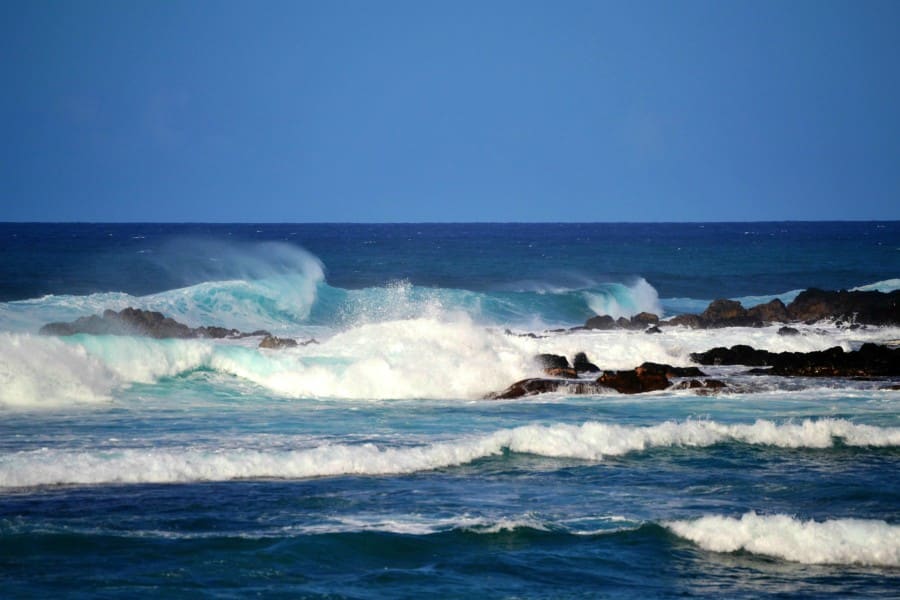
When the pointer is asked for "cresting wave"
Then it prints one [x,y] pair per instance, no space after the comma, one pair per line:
[590,441]
[837,541]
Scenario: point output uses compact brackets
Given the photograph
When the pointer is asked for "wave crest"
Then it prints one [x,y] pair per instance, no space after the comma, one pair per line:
[837,541]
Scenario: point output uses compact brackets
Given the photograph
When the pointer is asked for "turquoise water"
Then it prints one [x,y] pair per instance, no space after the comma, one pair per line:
[368,466]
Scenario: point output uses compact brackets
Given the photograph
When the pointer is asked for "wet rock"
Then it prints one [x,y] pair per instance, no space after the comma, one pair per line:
[600,322]
[669,370]
[770,312]
[692,321]
[276,343]
[644,319]
[789,331]
[630,382]
[700,384]
[567,373]
[871,308]
[871,360]
[583,365]
[136,321]
[535,386]
[653,329]
[552,361]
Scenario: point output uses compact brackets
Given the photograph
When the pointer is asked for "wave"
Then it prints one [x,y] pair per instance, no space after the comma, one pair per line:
[591,441]
[446,357]
[837,541]
[888,285]
[40,372]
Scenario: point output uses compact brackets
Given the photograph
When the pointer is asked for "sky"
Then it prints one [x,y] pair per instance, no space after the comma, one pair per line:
[394,111]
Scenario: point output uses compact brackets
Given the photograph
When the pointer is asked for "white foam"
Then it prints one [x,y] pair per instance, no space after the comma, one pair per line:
[837,541]
[888,285]
[44,372]
[590,441]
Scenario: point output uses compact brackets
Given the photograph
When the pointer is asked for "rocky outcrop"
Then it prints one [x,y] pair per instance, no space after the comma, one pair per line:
[871,360]
[552,361]
[600,322]
[276,343]
[870,308]
[857,308]
[583,365]
[770,312]
[634,382]
[136,321]
[534,386]
[641,320]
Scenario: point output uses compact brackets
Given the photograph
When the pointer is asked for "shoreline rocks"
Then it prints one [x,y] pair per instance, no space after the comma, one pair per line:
[871,360]
[147,323]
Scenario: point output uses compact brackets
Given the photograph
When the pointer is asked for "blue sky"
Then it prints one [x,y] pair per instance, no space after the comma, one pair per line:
[449,111]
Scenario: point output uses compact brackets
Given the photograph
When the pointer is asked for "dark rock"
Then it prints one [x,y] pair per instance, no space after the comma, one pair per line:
[692,321]
[623,323]
[770,312]
[668,370]
[136,321]
[630,382]
[871,360]
[567,373]
[600,322]
[871,308]
[583,365]
[699,384]
[552,361]
[724,310]
[534,386]
[736,355]
[653,329]
[644,319]
[788,331]
[277,343]
[309,341]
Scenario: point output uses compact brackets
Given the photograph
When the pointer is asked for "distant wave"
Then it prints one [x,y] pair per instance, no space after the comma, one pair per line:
[590,441]
[836,541]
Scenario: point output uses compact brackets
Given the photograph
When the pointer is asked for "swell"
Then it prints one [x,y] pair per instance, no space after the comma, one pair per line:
[835,541]
[592,441]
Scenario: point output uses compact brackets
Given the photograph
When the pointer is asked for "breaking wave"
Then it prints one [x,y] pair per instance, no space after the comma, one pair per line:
[590,441]
[836,541]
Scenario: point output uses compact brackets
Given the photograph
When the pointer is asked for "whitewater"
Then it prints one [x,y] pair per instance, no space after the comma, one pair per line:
[366,461]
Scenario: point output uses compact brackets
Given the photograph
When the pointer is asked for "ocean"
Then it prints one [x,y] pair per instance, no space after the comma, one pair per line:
[367,463]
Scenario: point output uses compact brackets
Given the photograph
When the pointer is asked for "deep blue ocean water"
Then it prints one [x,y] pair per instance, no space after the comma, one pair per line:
[367,465]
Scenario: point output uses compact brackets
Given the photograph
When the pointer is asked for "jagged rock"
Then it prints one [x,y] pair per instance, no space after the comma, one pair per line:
[276,343]
[724,310]
[567,373]
[630,382]
[692,321]
[788,331]
[600,322]
[699,384]
[736,355]
[552,361]
[871,360]
[653,329]
[644,319]
[583,365]
[668,370]
[534,386]
[136,321]
[770,312]
[872,308]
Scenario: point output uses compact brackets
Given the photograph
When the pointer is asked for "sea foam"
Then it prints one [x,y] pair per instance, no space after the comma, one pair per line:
[836,541]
